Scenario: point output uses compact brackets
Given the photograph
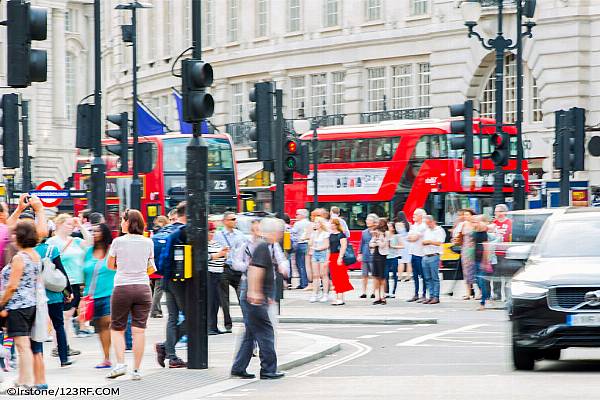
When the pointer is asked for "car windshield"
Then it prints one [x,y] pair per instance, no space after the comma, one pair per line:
[527,226]
[573,238]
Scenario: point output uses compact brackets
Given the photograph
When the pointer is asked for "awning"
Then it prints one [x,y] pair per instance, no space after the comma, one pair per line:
[245,170]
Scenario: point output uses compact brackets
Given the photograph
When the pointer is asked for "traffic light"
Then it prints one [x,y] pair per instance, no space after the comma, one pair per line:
[196,76]
[501,152]
[25,23]
[145,157]
[122,135]
[577,140]
[10,130]
[85,126]
[290,158]
[262,115]
[304,160]
[463,127]
[569,144]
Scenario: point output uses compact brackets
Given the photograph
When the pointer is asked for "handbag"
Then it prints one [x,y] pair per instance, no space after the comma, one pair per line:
[39,329]
[349,256]
[54,279]
[86,305]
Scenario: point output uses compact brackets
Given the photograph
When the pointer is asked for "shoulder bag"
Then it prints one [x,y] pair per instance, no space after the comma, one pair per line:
[54,279]
[86,305]
[349,256]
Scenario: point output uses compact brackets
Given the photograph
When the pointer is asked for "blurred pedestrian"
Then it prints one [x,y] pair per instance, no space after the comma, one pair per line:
[319,244]
[217,255]
[379,247]
[18,303]
[255,306]
[415,238]
[132,256]
[467,251]
[391,263]
[334,212]
[299,235]
[156,280]
[481,261]
[404,266]
[433,239]
[364,253]
[99,284]
[160,222]
[338,242]
[504,231]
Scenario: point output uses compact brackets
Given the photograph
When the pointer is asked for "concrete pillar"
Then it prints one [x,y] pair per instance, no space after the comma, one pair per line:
[354,93]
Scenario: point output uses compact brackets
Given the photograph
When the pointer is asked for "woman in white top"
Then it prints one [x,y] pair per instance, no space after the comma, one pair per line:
[132,255]
[319,246]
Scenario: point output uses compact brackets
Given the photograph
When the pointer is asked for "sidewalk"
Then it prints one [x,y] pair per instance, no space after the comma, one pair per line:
[293,348]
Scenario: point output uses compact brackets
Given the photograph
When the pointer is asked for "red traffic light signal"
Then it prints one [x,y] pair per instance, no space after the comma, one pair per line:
[292,146]
[500,155]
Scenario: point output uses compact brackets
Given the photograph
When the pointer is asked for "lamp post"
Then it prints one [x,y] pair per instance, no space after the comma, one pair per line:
[471,10]
[130,36]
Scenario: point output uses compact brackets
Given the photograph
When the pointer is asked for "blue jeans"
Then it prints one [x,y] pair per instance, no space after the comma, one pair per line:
[301,249]
[417,271]
[431,265]
[391,265]
[55,312]
[128,337]
[175,296]
[260,329]
[482,282]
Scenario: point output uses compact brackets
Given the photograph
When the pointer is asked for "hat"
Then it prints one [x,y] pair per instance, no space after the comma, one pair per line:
[211,226]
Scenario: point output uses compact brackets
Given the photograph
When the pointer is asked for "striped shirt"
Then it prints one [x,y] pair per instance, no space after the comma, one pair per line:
[215,265]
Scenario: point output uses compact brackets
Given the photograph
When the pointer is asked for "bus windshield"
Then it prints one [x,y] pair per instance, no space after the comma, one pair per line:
[220,156]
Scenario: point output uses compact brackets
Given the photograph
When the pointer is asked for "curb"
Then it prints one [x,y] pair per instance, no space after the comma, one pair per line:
[350,321]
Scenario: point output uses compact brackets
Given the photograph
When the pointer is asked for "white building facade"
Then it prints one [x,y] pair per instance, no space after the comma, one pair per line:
[354,60]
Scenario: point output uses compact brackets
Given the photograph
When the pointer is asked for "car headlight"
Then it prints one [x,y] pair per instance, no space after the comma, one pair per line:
[526,290]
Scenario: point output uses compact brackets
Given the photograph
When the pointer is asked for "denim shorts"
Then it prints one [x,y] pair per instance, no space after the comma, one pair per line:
[101,307]
[319,256]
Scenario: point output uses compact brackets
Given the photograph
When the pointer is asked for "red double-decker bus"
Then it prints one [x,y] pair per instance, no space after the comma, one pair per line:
[400,166]
[164,186]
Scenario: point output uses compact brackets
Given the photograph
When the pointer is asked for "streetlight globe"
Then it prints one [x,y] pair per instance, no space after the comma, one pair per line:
[471,11]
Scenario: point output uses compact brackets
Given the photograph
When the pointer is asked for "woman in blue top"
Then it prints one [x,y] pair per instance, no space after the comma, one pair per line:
[99,283]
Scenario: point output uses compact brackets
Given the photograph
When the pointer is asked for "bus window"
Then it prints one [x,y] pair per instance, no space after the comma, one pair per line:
[220,156]
[360,150]
[326,150]
[355,214]
[439,146]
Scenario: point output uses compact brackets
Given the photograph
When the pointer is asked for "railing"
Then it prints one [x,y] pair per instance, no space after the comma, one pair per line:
[374,117]
[240,132]
[328,120]
[493,3]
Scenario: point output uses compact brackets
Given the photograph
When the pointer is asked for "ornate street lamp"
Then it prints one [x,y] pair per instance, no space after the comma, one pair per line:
[471,10]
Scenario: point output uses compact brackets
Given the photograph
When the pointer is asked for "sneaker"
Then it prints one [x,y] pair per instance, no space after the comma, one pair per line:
[117,372]
[177,363]
[161,354]
[373,296]
[73,352]
[136,375]
[363,296]
[324,299]
[128,350]
[392,296]
[41,386]
[312,299]
[67,364]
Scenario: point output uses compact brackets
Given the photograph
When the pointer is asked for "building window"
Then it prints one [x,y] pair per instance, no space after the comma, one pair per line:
[373,10]
[70,88]
[262,16]
[150,27]
[337,92]
[232,20]
[187,23]
[375,89]
[237,102]
[419,7]
[208,23]
[168,29]
[424,84]
[331,14]
[298,96]
[536,102]
[294,15]
[70,22]
[488,98]
[318,94]
[402,86]
[162,108]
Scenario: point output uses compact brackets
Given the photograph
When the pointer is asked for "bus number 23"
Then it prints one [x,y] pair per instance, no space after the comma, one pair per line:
[220,185]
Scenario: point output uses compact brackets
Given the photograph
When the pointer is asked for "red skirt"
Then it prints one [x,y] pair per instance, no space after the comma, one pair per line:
[339,275]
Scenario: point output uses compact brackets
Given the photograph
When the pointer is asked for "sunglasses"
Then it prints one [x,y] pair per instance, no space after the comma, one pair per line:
[230,219]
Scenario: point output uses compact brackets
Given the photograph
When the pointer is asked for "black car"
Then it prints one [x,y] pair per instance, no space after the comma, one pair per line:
[555,299]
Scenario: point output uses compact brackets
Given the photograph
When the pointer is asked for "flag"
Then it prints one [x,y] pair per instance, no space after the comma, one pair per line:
[184,127]
[148,123]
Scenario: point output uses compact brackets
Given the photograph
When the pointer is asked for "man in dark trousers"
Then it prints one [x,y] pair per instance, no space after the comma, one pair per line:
[258,291]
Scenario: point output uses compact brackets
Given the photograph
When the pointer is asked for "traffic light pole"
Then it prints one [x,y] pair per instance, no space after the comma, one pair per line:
[26,185]
[565,185]
[500,46]
[136,184]
[196,294]
[519,195]
[315,177]
[98,178]
[278,154]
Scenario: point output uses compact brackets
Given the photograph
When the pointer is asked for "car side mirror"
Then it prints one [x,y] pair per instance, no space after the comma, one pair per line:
[519,252]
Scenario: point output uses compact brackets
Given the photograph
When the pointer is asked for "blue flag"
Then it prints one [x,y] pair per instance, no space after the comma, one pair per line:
[184,127]
[148,124]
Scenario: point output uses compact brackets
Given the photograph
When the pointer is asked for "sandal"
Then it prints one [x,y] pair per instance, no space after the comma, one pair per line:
[466,298]
[104,365]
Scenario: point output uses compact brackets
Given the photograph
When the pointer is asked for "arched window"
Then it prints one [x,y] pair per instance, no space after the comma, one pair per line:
[70,89]
[532,108]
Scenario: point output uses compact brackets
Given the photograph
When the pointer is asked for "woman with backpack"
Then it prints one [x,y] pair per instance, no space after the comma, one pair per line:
[72,251]
[99,284]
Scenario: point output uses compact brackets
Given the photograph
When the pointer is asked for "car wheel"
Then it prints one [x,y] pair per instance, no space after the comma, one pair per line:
[551,354]
[523,358]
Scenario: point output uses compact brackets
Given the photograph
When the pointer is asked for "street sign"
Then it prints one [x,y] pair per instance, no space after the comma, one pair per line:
[50,190]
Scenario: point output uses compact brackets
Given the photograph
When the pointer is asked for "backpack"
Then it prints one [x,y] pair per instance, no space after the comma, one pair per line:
[164,241]
[241,257]
[54,279]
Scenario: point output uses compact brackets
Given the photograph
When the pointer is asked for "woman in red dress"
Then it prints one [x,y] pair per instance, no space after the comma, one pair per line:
[339,273]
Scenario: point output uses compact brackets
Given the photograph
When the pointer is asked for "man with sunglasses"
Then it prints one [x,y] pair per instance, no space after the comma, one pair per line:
[229,238]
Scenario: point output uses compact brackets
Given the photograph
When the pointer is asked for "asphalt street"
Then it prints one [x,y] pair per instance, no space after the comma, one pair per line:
[466,355]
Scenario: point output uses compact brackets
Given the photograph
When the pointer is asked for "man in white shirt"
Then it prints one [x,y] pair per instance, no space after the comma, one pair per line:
[433,238]
[299,234]
[334,212]
[415,238]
